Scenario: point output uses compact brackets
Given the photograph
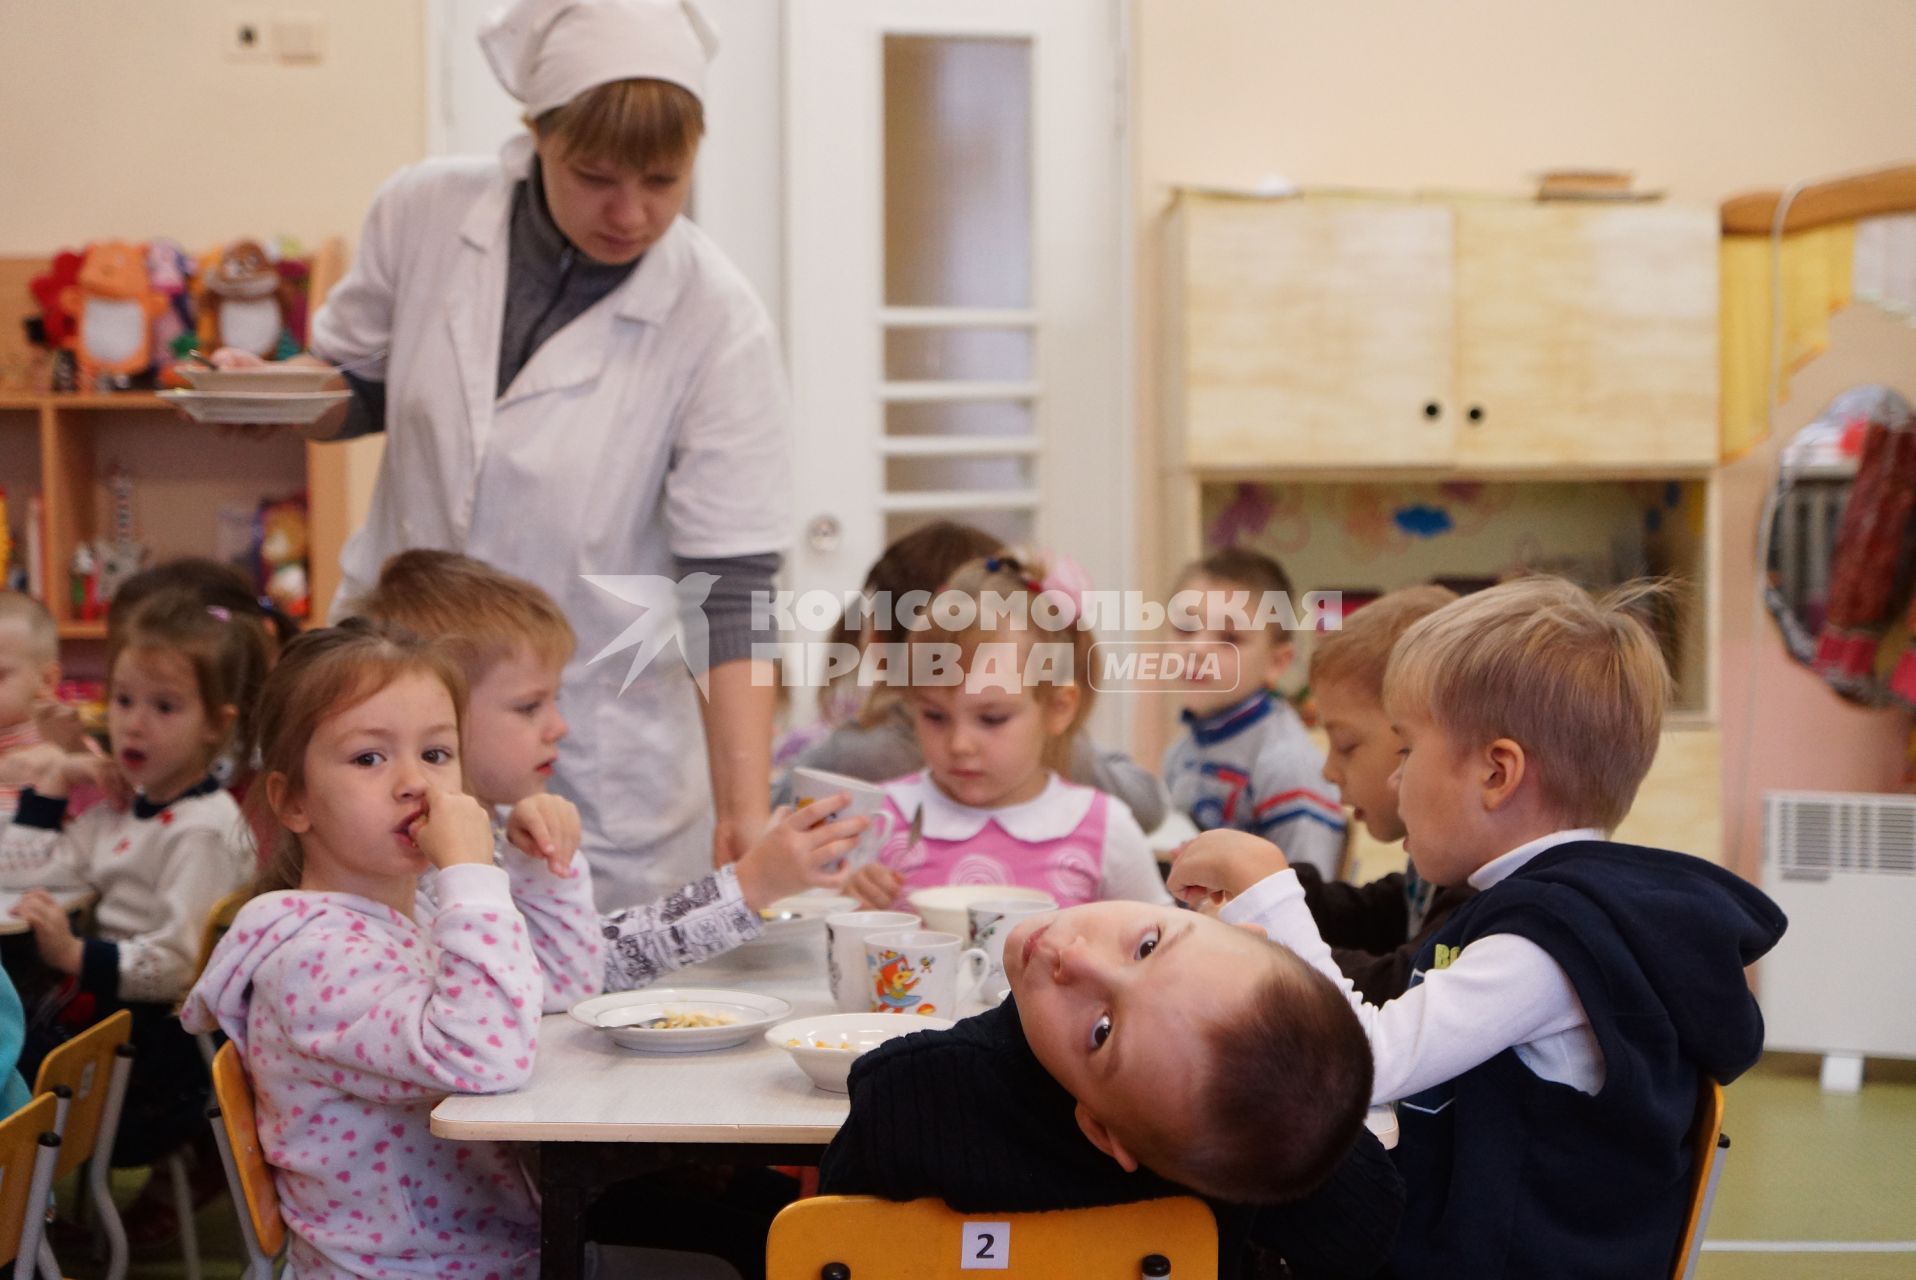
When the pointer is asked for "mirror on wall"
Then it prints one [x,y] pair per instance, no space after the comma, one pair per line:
[1839,545]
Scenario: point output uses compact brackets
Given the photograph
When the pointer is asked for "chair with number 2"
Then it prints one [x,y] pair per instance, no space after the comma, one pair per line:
[863,1238]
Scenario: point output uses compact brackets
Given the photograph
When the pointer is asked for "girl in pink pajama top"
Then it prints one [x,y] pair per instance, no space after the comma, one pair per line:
[358,1004]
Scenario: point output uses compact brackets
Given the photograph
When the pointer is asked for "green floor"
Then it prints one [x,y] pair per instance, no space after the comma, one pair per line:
[1804,1167]
[1812,1167]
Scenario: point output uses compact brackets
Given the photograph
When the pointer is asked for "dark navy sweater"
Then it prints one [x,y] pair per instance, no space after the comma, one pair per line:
[972,1117]
[1508,1174]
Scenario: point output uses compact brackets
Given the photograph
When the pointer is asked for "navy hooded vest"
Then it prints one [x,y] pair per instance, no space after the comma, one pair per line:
[1508,1174]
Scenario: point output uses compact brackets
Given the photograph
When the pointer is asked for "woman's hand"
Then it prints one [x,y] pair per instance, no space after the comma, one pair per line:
[453,829]
[546,827]
[1218,865]
[52,932]
[797,851]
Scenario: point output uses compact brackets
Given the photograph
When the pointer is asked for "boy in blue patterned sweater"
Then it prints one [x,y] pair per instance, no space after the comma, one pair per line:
[1246,761]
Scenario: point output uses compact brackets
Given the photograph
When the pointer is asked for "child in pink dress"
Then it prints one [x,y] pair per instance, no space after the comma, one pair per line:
[1003,698]
[358,1006]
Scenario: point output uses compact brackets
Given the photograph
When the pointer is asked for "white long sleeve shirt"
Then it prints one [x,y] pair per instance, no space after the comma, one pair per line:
[158,871]
[1500,992]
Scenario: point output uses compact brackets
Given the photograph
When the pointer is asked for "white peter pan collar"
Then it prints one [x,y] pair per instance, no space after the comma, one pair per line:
[1052,814]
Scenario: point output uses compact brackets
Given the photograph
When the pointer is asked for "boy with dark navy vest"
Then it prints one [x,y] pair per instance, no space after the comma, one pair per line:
[1547,1058]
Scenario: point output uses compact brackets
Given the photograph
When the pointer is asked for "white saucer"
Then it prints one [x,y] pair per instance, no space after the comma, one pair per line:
[295,409]
[751,1013]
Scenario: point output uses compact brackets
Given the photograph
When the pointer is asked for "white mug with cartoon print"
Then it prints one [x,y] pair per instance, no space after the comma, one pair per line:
[812,785]
[991,921]
[845,935]
[915,971]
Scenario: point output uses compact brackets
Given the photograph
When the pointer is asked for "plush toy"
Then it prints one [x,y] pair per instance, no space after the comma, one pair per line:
[170,270]
[282,555]
[112,305]
[56,327]
[242,300]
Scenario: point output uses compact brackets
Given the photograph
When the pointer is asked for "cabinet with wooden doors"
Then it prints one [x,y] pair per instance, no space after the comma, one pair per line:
[1478,334]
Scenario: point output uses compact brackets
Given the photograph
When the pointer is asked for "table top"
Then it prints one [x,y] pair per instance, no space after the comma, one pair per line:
[71,899]
[584,1088]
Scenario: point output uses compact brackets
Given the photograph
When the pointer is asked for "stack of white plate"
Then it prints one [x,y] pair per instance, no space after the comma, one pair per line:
[274,394]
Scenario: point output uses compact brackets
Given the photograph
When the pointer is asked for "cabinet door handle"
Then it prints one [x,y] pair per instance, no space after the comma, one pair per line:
[1475,413]
[1433,410]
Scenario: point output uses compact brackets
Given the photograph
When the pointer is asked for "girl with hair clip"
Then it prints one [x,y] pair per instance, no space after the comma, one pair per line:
[182,678]
[995,729]
[356,1002]
[868,733]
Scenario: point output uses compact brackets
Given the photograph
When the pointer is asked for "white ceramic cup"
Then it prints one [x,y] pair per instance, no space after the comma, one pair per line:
[991,923]
[809,786]
[916,971]
[845,935]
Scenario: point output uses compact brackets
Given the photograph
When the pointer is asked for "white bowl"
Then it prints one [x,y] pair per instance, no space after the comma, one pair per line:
[267,379]
[621,1015]
[800,915]
[827,1044]
[943,907]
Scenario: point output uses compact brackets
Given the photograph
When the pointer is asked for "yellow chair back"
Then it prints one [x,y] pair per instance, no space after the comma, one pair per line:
[235,1095]
[1706,1140]
[19,1145]
[84,1065]
[218,921]
[863,1238]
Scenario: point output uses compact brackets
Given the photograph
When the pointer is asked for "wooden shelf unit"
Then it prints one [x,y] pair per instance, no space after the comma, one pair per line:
[62,445]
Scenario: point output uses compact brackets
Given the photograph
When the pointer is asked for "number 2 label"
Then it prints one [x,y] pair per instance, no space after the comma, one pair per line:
[986,1246]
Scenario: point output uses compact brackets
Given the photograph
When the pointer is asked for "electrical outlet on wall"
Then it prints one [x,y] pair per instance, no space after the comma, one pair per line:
[299,36]
[245,37]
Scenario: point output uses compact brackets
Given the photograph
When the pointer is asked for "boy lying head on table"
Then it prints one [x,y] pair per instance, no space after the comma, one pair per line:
[1144,1051]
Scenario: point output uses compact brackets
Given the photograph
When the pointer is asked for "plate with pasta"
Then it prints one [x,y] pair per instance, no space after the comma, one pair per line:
[680,1019]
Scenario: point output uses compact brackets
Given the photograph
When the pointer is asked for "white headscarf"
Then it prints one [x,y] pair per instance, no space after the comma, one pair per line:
[548,52]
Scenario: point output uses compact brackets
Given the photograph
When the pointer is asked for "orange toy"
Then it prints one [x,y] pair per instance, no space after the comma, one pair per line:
[112,305]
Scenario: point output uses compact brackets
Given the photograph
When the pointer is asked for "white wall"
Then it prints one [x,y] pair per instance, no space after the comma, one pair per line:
[124,118]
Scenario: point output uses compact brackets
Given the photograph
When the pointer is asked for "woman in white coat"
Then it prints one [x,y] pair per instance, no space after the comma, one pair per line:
[574,381]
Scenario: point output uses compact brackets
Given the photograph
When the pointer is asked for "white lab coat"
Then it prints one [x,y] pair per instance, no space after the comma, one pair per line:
[655,424]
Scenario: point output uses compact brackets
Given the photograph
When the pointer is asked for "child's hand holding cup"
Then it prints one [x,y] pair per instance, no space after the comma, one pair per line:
[854,798]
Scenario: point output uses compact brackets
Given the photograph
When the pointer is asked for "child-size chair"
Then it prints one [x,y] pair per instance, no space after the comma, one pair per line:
[28,1150]
[863,1238]
[88,1076]
[236,1130]
[218,921]
[1709,1142]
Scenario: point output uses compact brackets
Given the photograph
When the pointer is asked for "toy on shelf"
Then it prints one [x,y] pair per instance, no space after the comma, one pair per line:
[112,304]
[282,555]
[171,271]
[83,582]
[243,302]
[120,554]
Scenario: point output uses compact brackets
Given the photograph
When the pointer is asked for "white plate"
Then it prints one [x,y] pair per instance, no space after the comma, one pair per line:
[808,911]
[619,1013]
[292,410]
[819,1039]
[944,907]
[266,379]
